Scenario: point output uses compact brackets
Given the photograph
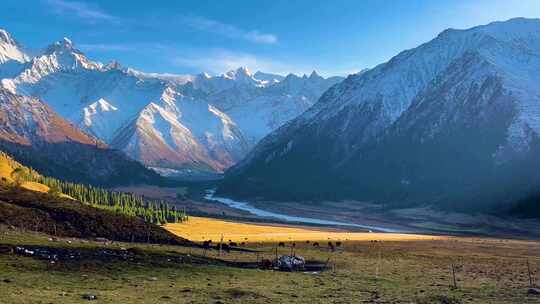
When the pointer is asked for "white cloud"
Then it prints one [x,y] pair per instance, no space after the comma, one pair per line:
[228,30]
[99,47]
[220,61]
[82,10]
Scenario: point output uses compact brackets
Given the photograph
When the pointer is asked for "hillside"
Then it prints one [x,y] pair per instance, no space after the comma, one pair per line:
[11,171]
[66,217]
[452,123]
[27,204]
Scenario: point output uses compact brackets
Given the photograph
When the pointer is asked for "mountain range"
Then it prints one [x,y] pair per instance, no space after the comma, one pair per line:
[173,124]
[454,122]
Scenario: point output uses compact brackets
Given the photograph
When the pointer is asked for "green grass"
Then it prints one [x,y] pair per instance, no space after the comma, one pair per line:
[489,271]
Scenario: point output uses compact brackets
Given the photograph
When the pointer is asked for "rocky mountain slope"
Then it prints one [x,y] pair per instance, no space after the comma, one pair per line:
[35,135]
[168,122]
[453,121]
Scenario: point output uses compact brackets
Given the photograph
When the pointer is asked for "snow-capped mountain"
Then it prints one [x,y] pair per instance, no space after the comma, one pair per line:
[459,114]
[10,49]
[33,133]
[166,121]
[178,129]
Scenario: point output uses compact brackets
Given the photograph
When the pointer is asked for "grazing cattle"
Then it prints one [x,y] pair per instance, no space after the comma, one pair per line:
[294,244]
[338,244]
[307,242]
[226,247]
[331,246]
[266,264]
[316,244]
[281,244]
[206,244]
[243,244]
[233,244]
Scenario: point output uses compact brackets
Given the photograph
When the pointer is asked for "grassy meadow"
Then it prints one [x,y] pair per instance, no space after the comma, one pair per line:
[391,270]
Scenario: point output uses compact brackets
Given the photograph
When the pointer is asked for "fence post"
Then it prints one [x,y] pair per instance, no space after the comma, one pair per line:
[454,276]
[220,245]
[531,283]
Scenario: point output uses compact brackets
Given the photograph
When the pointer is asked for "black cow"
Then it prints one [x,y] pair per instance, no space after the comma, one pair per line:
[224,247]
[281,244]
[266,264]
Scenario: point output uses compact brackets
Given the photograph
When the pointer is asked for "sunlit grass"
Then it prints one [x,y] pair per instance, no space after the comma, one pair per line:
[199,229]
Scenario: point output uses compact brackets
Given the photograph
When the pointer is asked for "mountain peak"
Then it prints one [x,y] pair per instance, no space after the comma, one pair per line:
[10,49]
[64,45]
[314,75]
[241,72]
[113,65]
[291,76]
[514,29]
[67,42]
[6,37]
[205,75]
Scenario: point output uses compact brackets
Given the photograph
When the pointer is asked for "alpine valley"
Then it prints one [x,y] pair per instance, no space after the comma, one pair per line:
[414,180]
[177,125]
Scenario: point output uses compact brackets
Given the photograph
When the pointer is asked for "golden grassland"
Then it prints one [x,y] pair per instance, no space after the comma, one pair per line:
[5,169]
[35,186]
[198,229]
[7,166]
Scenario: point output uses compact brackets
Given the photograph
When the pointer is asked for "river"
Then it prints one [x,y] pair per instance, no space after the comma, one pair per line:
[245,206]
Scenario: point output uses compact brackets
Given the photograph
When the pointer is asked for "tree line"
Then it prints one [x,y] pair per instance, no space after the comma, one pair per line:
[152,211]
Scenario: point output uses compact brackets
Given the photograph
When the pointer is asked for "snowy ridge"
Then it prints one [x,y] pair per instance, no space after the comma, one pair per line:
[10,49]
[514,46]
[164,120]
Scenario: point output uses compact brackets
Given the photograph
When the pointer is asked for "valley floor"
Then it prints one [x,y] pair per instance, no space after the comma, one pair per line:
[409,220]
[416,270]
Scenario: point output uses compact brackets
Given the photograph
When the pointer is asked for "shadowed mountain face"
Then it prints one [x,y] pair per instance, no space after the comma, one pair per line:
[38,137]
[453,122]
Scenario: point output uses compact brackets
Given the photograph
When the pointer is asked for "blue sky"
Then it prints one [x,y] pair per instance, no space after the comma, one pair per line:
[333,37]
